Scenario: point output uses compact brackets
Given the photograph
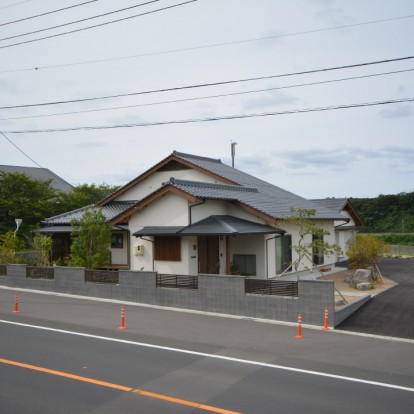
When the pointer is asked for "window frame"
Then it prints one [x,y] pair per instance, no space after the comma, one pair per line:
[167,248]
[118,237]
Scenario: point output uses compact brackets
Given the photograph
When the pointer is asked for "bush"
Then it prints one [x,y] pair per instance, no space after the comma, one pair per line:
[9,245]
[398,239]
[364,251]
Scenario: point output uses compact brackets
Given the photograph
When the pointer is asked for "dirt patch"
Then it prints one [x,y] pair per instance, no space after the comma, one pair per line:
[352,294]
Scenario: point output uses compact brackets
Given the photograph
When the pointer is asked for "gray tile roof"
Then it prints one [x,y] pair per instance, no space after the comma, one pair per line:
[40,174]
[110,211]
[336,204]
[268,198]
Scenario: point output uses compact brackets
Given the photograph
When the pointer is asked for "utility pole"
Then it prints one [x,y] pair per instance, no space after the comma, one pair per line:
[233,152]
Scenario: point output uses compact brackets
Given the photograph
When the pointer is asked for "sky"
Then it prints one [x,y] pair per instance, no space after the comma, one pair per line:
[350,152]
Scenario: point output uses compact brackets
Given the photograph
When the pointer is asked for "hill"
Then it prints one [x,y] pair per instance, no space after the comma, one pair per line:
[392,213]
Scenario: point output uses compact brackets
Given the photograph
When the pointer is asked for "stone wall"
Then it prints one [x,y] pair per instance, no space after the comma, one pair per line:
[215,293]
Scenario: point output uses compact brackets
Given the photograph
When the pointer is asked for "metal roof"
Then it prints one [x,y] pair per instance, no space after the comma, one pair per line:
[227,225]
[212,226]
[158,231]
[40,174]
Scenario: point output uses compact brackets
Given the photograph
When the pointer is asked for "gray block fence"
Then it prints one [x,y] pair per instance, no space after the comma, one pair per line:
[215,293]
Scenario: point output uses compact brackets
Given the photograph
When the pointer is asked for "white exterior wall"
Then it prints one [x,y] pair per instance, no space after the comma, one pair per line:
[156,180]
[170,210]
[343,236]
[293,231]
[120,256]
[254,244]
[209,208]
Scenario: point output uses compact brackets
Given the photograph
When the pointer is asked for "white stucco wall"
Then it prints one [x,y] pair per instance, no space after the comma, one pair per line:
[156,180]
[120,256]
[327,225]
[253,244]
[169,210]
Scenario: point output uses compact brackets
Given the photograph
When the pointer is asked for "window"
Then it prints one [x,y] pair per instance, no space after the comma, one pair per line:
[283,252]
[245,264]
[317,251]
[117,241]
[167,248]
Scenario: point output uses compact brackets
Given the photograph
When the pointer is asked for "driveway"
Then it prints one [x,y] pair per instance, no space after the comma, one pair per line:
[391,313]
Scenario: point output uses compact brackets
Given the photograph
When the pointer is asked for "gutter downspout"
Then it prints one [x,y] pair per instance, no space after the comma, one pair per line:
[190,220]
[153,261]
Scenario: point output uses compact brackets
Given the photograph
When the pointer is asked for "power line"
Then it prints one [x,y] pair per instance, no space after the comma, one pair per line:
[210,119]
[212,45]
[14,4]
[47,13]
[78,21]
[208,96]
[19,149]
[203,85]
[99,25]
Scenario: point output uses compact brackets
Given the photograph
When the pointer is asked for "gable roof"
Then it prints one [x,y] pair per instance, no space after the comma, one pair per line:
[338,205]
[40,174]
[261,196]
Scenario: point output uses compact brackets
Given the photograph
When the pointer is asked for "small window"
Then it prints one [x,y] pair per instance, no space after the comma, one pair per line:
[117,241]
[317,251]
[245,264]
[167,248]
[283,253]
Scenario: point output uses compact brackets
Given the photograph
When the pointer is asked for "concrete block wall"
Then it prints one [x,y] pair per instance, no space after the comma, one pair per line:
[215,293]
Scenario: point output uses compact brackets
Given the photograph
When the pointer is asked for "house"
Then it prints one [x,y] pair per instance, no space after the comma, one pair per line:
[40,174]
[190,214]
[344,231]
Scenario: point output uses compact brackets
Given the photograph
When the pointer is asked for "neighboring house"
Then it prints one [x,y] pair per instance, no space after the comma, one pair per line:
[190,214]
[343,231]
[40,174]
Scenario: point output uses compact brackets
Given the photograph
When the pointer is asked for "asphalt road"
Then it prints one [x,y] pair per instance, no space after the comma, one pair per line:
[67,373]
[391,313]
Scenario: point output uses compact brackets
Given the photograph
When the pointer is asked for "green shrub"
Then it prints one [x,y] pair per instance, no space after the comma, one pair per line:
[364,251]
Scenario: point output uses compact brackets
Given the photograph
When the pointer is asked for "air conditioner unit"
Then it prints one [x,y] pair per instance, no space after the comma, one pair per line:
[139,250]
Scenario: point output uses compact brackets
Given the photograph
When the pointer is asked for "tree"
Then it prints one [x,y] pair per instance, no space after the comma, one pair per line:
[364,251]
[35,200]
[91,238]
[311,241]
[84,195]
[30,200]
[9,245]
[42,249]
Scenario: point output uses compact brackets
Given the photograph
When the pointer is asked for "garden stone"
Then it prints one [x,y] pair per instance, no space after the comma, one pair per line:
[364,286]
[360,276]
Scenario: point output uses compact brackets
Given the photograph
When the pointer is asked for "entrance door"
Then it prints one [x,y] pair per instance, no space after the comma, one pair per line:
[208,254]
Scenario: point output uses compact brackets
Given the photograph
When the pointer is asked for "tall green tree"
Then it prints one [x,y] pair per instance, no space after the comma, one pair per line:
[91,238]
[26,199]
[84,195]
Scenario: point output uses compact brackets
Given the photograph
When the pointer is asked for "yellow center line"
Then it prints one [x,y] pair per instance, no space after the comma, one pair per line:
[118,387]
[65,375]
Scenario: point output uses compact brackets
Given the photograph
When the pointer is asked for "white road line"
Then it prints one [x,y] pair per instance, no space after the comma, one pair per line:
[242,361]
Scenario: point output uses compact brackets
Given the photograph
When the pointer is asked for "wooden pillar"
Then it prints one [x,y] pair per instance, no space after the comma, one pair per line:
[228,261]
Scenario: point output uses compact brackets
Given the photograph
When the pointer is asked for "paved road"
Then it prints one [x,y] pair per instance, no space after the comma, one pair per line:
[151,380]
[391,313]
